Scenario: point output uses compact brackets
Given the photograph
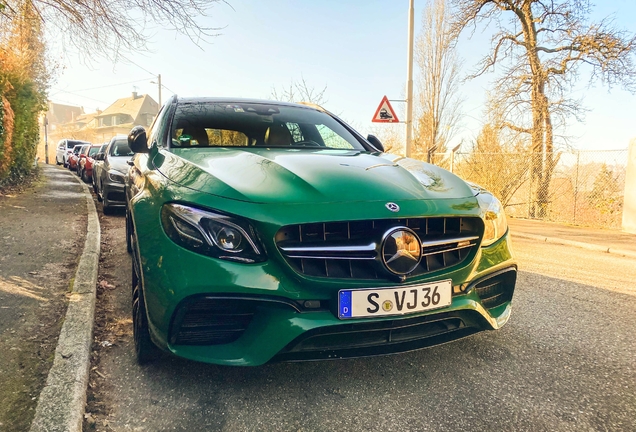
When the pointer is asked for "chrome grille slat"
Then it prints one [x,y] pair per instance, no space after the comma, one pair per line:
[350,249]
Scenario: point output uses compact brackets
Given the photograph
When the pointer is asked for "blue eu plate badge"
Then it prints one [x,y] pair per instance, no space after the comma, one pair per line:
[345,304]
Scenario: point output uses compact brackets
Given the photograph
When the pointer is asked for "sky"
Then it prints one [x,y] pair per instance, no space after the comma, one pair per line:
[357,49]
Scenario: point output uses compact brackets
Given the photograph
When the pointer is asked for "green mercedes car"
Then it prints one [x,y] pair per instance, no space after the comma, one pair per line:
[265,231]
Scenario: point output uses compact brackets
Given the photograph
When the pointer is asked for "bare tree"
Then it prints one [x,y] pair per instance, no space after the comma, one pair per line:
[391,136]
[438,103]
[299,91]
[541,46]
[106,27]
[498,163]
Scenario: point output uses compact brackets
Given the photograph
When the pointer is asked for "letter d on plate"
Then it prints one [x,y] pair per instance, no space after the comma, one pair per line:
[344,304]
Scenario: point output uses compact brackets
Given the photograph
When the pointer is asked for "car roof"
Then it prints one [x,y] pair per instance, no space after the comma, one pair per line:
[231,100]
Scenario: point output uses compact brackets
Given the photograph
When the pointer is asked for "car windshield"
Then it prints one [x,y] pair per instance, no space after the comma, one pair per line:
[207,124]
[120,148]
[72,143]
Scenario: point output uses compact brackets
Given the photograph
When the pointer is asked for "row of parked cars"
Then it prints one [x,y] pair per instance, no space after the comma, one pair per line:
[102,165]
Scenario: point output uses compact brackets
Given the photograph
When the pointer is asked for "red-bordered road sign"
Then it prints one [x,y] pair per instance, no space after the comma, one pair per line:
[385,113]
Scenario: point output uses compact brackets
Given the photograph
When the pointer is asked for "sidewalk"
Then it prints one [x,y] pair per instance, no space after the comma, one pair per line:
[604,240]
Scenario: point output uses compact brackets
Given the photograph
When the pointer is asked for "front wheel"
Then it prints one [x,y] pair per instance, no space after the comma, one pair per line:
[145,350]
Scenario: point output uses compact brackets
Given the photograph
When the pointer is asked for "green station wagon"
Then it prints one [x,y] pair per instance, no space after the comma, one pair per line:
[266,231]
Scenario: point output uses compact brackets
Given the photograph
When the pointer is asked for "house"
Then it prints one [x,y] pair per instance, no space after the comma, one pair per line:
[66,121]
[122,115]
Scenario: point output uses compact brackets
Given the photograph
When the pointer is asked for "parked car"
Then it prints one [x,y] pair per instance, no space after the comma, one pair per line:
[268,231]
[64,149]
[109,174]
[98,160]
[85,164]
[74,156]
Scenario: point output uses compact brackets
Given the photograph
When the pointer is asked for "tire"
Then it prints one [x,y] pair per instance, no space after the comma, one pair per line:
[145,350]
[129,232]
[84,176]
[99,197]
[107,210]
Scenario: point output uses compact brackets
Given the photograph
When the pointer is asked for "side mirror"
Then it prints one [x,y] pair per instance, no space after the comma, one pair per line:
[375,142]
[137,140]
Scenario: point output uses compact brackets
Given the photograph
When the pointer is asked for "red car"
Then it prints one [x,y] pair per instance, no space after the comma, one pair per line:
[85,163]
[74,156]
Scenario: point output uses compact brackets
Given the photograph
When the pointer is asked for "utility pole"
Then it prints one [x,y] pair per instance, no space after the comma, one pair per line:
[159,84]
[46,140]
[409,83]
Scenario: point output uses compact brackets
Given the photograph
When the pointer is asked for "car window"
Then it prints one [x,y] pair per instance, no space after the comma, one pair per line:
[212,124]
[213,137]
[72,143]
[120,148]
[93,151]
[331,138]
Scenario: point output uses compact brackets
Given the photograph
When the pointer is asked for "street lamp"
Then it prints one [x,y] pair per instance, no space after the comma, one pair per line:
[409,82]
[453,151]
[158,82]
[45,123]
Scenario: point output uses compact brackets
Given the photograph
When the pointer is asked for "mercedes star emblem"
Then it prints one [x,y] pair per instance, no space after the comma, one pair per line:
[401,251]
[393,207]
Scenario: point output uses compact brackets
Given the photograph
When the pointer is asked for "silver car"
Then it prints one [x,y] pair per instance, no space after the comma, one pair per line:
[64,149]
[109,173]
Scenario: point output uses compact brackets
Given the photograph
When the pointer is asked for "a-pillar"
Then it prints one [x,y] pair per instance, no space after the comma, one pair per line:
[629,203]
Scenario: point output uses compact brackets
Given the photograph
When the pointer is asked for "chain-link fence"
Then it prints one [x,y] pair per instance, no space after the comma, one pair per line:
[584,187]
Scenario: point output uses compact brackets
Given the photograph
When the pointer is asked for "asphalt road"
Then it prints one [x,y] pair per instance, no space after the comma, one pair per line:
[565,362]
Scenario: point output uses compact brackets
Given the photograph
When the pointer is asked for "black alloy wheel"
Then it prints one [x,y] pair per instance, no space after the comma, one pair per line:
[145,350]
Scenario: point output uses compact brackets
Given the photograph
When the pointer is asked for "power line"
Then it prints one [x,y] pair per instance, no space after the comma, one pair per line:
[104,86]
[78,95]
[143,69]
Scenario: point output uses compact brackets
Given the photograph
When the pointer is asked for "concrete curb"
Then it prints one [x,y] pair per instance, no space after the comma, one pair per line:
[588,246]
[62,401]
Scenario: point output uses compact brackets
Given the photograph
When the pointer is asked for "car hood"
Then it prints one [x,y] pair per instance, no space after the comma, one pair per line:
[308,176]
[119,163]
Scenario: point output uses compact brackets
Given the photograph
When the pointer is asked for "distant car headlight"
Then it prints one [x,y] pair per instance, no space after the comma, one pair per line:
[213,234]
[494,217]
[115,177]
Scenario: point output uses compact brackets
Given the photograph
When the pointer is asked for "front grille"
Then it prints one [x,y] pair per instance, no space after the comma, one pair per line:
[116,196]
[497,289]
[351,250]
[209,321]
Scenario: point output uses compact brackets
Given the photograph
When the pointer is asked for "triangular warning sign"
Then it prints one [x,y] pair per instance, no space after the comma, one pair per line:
[385,113]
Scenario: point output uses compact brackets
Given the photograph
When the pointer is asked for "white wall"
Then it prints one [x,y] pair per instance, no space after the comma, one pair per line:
[629,206]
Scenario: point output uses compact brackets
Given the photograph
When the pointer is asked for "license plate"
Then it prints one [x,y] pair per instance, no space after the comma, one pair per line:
[394,301]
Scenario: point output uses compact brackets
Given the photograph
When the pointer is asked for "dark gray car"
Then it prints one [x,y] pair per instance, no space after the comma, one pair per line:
[109,173]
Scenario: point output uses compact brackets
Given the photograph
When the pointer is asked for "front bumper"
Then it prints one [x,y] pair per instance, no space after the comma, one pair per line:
[113,194]
[257,315]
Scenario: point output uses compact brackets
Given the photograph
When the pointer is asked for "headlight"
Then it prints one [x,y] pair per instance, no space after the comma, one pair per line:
[212,234]
[115,177]
[494,218]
